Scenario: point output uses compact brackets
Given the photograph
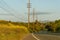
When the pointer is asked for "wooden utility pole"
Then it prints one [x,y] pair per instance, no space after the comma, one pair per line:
[33,18]
[36,17]
[28,6]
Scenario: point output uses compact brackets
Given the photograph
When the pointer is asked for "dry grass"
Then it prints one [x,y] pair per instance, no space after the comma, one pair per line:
[12,32]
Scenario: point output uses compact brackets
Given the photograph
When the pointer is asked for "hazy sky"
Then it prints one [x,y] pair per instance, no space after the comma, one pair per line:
[20,6]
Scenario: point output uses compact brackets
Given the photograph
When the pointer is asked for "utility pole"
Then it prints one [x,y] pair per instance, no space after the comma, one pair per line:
[28,6]
[36,17]
[33,17]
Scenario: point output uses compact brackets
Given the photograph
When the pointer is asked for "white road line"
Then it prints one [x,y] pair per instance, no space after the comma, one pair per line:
[35,37]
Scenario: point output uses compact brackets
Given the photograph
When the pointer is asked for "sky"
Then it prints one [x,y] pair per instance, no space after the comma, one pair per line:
[20,11]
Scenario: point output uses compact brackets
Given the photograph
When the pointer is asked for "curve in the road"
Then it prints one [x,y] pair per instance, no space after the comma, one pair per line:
[30,37]
[35,37]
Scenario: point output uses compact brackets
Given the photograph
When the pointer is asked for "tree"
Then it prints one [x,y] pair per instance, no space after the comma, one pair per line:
[48,27]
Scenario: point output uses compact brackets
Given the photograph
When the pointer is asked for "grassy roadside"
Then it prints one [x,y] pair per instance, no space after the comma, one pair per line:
[12,32]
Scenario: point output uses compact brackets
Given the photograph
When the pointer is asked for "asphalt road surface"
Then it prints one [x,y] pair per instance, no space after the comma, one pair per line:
[29,37]
[41,37]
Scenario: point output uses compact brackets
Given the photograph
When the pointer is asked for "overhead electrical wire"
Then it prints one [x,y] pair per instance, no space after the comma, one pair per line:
[11,9]
[10,12]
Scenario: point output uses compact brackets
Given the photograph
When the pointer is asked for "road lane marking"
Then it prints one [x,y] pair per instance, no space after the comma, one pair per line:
[35,37]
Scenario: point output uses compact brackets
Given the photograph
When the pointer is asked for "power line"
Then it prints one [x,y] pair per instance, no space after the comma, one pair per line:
[11,13]
[11,9]
[5,14]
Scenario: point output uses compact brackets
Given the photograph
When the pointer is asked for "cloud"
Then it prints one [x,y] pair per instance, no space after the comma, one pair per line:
[39,13]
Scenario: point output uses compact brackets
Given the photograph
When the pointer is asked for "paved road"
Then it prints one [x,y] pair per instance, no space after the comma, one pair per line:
[47,37]
[42,37]
[29,37]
